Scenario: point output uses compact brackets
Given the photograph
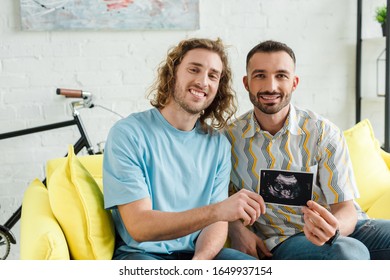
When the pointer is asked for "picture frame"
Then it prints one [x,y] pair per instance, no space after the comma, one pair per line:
[46,15]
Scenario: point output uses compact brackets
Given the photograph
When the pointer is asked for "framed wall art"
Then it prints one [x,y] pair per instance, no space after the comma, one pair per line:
[43,15]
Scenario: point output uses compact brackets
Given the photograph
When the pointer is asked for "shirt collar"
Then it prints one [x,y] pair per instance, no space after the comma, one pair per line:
[293,121]
[291,124]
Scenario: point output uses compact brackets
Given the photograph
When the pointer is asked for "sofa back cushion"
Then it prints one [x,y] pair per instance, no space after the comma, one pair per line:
[371,172]
[41,237]
[77,203]
[381,208]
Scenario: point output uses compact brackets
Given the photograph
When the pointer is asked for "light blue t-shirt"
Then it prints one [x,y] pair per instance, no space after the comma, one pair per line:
[178,170]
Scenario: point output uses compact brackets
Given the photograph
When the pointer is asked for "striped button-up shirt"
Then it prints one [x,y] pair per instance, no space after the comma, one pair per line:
[307,142]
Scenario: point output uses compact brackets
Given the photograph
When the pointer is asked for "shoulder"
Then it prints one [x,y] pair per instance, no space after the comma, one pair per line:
[134,129]
[135,120]
[241,121]
[311,122]
[315,121]
[216,137]
[129,135]
[239,125]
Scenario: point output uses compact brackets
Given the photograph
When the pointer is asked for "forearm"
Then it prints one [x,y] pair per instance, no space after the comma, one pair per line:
[210,241]
[346,215]
[151,225]
[235,230]
[145,224]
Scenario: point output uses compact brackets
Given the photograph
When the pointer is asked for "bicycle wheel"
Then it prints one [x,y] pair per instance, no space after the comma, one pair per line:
[5,245]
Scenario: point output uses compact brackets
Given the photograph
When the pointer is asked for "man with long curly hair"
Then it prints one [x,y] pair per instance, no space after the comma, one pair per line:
[166,170]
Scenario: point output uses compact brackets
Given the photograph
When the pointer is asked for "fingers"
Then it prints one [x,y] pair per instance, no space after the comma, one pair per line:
[320,224]
[249,251]
[262,248]
[312,237]
[244,205]
[248,214]
[254,208]
[251,206]
[247,241]
[256,198]
[322,212]
[314,232]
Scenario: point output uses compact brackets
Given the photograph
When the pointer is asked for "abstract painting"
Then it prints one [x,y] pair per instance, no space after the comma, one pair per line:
[42,15]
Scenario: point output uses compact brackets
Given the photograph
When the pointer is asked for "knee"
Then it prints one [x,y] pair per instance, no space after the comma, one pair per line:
[346,248]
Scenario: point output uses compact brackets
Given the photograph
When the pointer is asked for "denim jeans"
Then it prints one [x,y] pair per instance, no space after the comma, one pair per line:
[370,240]
[224,254]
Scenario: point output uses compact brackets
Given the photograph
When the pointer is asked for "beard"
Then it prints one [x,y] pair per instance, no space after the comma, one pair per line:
[179,98]
[270,108]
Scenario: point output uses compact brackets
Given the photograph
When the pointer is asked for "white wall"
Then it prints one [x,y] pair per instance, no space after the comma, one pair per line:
[117,67]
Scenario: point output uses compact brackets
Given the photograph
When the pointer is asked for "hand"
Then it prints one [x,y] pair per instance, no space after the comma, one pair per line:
[246,241]
[244,205]
[320,224]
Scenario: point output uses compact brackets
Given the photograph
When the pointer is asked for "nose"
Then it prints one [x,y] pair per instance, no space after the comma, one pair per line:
[202,80]
[270,84]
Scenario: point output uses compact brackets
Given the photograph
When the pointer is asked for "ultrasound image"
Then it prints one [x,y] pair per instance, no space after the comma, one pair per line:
[286,187]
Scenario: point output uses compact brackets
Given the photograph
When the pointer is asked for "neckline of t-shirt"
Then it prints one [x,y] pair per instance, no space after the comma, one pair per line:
[171,127]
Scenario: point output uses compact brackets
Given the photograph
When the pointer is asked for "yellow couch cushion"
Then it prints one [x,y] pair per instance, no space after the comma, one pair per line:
[41,237]
[371,172]
[77,203]
[381,208]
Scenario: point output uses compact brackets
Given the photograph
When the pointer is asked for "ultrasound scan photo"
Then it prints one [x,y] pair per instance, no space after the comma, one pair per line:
[286,187]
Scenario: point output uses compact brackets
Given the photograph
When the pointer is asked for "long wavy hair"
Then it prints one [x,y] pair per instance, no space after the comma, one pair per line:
[223,106]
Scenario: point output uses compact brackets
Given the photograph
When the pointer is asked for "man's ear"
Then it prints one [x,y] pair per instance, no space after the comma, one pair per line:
[245,82]
[295,82]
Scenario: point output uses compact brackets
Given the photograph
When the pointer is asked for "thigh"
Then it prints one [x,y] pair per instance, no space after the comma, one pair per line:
[298,247]
[224,254]
[232,254]
[180,255]
[375,235]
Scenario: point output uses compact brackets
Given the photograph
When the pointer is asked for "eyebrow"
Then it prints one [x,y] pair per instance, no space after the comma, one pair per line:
[201,65]
[264,71]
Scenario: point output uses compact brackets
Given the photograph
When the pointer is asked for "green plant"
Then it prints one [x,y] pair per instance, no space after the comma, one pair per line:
[380,14]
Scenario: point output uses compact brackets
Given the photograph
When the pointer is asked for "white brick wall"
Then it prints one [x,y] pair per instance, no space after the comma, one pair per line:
[117,67]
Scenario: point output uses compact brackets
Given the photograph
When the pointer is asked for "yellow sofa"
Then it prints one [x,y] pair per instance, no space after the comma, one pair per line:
[66,220]
[371,166]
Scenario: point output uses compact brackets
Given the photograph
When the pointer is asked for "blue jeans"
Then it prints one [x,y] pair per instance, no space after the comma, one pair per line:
[370,240]
[224,254]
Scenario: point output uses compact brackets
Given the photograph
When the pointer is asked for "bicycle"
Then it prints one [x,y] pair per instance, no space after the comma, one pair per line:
[85,101]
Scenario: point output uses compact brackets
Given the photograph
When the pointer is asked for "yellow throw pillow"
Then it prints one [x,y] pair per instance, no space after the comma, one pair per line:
[371,172]
[77,203]
[41,237]
[93,163]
